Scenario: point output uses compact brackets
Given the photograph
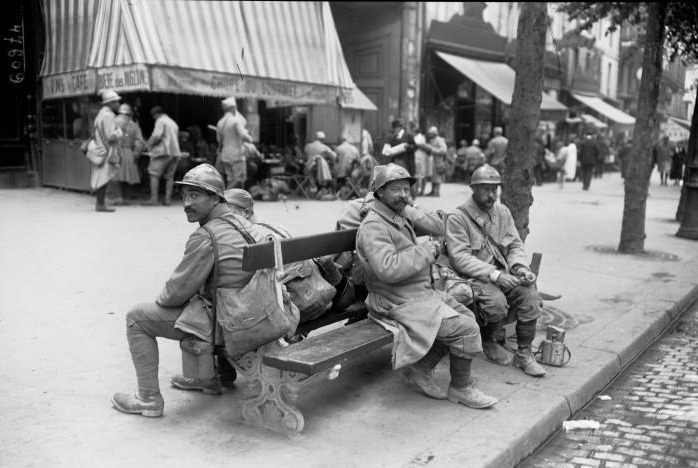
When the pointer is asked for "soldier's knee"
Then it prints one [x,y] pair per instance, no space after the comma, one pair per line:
[495,306]
[136,314]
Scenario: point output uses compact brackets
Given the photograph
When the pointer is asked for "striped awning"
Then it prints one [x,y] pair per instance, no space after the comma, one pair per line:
[275,50]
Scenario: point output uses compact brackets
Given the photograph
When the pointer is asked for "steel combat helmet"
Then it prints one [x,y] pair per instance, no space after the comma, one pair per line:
[206,177]
[486,174]
[384,174]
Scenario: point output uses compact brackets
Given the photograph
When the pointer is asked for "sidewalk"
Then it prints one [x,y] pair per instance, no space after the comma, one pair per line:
[69,275]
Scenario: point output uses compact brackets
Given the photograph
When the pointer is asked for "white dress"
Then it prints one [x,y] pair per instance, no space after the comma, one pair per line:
[571,162]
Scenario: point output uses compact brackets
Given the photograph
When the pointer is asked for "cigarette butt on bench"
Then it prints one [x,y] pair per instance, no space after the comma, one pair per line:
[334,372]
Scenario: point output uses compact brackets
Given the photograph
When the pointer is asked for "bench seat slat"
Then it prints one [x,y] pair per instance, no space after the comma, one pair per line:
[321,352]
[260,256]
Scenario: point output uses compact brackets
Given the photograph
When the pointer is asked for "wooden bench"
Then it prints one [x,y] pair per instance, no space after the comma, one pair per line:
[276,373]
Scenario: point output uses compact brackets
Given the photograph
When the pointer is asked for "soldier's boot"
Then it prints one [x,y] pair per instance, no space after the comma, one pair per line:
[435,190]
[148,404]
[421,374]
[462,390]
[525,333]
[492,339]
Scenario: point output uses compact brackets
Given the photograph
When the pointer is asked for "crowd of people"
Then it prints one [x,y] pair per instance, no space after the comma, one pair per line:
[328,172]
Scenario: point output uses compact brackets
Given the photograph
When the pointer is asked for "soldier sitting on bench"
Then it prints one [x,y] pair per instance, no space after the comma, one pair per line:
[484,245]
[425,324]
[182,311]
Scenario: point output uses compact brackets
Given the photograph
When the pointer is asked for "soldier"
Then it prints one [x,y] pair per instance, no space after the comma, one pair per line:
[484,245]
[189,285]
[232,133]
[425,323]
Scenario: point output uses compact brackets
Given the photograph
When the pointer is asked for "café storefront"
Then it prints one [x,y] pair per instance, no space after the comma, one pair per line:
[186,56]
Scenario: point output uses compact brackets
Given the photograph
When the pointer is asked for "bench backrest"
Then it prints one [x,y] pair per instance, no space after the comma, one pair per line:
[260,256]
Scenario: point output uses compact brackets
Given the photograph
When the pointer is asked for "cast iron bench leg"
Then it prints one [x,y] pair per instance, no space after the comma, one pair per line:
[272,393]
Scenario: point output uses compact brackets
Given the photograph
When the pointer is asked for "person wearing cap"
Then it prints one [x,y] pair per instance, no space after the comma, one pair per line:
[105,142]
[347,159]
[180,312]
[164,155]
[474,158]
[483,245]
[437,148]
[400,148]
[232,134]
[496,150]
[132,145]
[426,324]
[318,160]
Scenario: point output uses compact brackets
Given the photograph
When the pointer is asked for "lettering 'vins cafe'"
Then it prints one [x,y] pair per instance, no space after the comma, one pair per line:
[286,84]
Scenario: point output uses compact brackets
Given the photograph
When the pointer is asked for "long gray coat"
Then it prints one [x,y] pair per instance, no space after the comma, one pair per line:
[398,278]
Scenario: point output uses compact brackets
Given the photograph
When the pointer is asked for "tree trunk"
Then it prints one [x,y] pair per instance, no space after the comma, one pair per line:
[691,157]
[645,135]
[525,112]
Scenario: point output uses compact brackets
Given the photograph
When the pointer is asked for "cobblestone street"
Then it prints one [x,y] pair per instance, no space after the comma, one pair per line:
[651,419]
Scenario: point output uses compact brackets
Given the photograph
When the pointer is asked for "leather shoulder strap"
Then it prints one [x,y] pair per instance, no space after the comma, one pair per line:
[214,284]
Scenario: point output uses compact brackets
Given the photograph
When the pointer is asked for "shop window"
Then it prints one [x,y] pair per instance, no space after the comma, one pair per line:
[53,124]
[80,117]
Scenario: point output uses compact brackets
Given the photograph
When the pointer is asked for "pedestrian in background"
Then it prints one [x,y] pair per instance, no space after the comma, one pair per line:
[603,153]
[318,157]
[366,143]
[678,159]
[474,158]
[461,169]
[437,149]
[588,157]
[623,152]
[105,143]
[571,158]
[421,156]
[662,157]
[231,134]
[560,162]
[347,159]
[132,145]
[164,155]
[497,149]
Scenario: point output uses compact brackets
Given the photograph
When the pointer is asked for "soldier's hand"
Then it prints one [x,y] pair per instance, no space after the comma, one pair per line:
[508,281]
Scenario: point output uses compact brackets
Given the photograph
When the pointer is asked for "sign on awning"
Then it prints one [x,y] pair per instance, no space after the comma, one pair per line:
[123,79]
[179,80]
[77,83]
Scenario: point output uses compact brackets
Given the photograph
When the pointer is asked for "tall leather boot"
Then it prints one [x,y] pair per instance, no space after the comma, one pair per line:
[154,189]
[462,389]
[525,333]
[169,185]
[492,344]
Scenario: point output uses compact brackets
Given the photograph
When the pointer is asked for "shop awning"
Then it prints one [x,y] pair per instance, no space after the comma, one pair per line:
[286,51]
[593,121]
[605,109]
[496,78]
[356,99]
